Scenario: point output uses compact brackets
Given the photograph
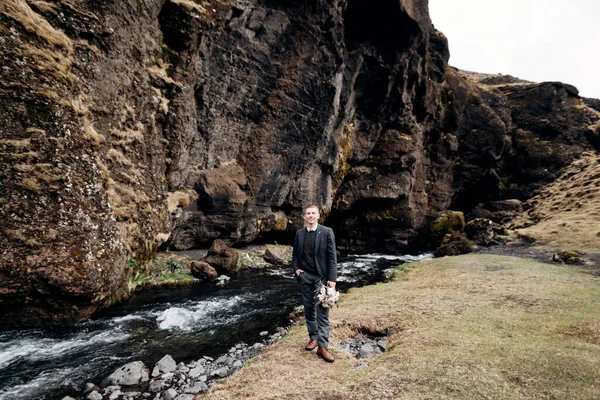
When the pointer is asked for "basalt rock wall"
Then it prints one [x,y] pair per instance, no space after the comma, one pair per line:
[129,125]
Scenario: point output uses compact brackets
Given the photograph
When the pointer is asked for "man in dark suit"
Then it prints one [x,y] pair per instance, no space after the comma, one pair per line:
[314,259]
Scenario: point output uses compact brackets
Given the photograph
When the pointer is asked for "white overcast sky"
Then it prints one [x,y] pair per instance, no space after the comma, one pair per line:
[536,40]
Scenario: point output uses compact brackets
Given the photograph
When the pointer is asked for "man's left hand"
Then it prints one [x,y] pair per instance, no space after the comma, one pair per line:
[331,284]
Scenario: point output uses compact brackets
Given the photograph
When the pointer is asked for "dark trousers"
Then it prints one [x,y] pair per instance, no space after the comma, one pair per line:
[317,317]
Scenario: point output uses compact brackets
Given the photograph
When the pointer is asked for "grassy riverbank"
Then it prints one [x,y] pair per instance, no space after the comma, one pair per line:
[469,327]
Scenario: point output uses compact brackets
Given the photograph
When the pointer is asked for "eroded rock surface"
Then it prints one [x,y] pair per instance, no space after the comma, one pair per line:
[129,125]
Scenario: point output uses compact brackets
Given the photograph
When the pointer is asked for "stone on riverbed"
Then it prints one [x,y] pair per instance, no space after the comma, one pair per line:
[156,385]
[222,258]
[197,388]
[89,387]
[196,372]
[170,394]
[94,396]
[220,373]
[133,373]
[185,397]
[166,364]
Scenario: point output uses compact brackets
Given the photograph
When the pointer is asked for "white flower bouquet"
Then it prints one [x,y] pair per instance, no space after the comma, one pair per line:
[327,296]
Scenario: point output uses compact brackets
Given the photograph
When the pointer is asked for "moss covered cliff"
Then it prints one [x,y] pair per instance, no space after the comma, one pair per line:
[127,125]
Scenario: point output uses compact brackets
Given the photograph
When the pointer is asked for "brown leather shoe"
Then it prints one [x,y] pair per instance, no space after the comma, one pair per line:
[311,345]
[325,355]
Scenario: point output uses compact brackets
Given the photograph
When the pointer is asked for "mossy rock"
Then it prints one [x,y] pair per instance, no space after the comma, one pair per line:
[481,231]
[570,257]
[447,222]
[455,244]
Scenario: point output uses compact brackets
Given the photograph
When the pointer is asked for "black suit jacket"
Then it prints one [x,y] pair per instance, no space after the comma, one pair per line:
[325,256]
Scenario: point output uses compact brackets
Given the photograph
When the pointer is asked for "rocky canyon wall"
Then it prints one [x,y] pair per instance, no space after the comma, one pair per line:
[129,125]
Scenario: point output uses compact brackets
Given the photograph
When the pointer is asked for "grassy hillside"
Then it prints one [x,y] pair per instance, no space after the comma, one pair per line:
[566,213]
[469,327]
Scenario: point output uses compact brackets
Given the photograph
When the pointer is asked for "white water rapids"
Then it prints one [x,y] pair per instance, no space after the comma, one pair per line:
[184,322]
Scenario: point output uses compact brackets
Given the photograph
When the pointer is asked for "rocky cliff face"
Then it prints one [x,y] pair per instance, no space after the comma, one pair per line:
[126,125]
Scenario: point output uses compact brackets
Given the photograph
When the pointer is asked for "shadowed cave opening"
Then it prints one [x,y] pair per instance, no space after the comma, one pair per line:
[382,24]
[175,26]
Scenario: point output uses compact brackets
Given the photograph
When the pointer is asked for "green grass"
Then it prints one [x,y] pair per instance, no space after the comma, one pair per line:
[469,327]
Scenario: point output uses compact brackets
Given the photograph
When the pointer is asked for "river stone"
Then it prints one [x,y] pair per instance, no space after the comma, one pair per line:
[156,385]
[94,396]
[115,395]
[238,364]
[185,397]
[168,376]
[366,351]
[67,398]
[155,372]
[89,387]
[110,389]
[133,373]
[182,367]
[222,258]
[221,372]
[197,388]
[196,372]
[170,394]
[221,360]
[166,364]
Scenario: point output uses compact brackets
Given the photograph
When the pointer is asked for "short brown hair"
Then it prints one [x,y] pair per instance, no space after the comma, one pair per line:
[311,206]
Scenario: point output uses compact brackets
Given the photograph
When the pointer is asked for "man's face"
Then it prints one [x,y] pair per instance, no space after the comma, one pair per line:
[311,216]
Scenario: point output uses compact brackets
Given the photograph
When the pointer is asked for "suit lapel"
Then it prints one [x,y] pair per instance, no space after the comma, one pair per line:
[317,238]
[301,244]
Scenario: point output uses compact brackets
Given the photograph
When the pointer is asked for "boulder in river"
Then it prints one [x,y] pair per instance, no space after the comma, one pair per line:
[278,255]
[203,271]
[131,374]
[222,258]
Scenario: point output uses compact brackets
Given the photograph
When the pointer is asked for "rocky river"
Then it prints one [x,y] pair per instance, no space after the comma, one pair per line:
[191,324]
